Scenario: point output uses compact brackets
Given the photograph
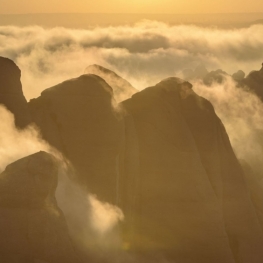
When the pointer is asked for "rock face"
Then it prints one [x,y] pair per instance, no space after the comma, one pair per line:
[122,89]
[255,183]
[78,119]
[191,200]
[11,94]
[32,227]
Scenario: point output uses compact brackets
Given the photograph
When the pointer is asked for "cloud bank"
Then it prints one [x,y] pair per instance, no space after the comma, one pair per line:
[144,53]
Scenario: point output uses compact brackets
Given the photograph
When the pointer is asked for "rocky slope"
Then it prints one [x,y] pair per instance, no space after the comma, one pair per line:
[11,94]
[32,227]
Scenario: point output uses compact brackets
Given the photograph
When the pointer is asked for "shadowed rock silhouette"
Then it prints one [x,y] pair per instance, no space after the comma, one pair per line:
[191,198]
[254,81]
[11,94]
[32,227]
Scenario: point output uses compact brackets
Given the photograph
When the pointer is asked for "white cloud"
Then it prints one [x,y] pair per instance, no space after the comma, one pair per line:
[144,53]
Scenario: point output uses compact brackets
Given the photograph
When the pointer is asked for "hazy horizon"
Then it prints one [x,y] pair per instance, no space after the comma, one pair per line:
[136,6]
[88,20]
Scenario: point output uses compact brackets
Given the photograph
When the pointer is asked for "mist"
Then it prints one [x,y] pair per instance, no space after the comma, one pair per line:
[144,53]
[92,224]
[16,144]
[241,112]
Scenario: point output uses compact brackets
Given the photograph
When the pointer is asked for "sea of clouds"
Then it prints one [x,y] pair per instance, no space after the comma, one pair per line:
[144,53]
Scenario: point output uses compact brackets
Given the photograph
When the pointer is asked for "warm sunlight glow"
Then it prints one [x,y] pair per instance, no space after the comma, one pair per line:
[135,6]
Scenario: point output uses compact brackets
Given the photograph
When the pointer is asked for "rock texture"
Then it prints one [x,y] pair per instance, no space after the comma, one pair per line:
[191,199]
[32,227]
[122,89]
[78,119]
[11,94]
[255,183]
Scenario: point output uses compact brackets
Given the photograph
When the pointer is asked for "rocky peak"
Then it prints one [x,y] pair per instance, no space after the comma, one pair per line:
[11,94]
[122,89]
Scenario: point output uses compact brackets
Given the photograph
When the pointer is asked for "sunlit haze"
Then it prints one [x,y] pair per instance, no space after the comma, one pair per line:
[135,6]
[131,131]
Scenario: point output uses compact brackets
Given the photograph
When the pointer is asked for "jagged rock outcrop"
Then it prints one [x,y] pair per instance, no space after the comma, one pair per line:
[122,89]
[11,94]
[254,81]
[190,198]
[32,227]
[217,76]
[77,117]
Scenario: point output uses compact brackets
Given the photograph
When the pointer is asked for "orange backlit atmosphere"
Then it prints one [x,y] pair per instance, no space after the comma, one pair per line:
[131,131]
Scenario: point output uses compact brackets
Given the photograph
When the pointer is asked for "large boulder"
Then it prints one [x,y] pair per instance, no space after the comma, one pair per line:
[189,198]
[122,89]
[11,94]
[32,227]
[77,117]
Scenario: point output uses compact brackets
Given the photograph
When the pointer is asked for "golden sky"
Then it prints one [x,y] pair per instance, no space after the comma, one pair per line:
[130,6]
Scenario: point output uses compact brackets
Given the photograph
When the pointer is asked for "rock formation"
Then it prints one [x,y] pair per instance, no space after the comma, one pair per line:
[163,156]
[11,94]
[254,81]
[216,76]
[191,201]
[122,89]
[32,227]
[239,75]
[78,119]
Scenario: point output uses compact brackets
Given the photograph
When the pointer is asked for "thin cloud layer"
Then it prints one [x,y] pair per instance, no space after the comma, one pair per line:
[144,53]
